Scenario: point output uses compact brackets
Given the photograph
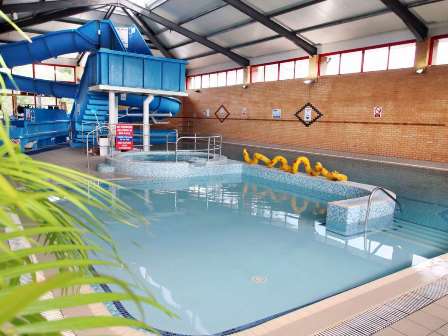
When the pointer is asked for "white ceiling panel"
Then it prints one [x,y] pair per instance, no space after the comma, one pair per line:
[435,12]
[266,48]
[171,37]
[189,50]
[356,29]
[250,32]
[327,11]
[268,6]
[178,10]
[207,61]
[217,20]
[55,25]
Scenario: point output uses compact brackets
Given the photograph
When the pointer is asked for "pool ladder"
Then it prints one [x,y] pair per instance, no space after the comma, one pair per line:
[369,203]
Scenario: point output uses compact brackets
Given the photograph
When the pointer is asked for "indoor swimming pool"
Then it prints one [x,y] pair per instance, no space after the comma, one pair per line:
[228,253]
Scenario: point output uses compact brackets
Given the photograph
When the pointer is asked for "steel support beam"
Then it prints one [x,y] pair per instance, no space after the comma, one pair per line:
[183,31]
[45,17]
[264,20]
[415,25]
[270,15]
[321,26]
[109,12]
[144,28]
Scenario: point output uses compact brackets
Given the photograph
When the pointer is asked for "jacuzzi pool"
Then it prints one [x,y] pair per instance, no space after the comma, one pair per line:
[166,157]
[228,253]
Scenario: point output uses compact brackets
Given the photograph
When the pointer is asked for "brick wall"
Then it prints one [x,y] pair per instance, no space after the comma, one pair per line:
[413,126]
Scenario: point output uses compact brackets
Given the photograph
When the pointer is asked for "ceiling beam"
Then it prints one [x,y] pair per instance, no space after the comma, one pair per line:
[145,29]
[273,14]
[264,20]
[415,25]
[320,26]
[183,31]
[44,17]
[109,12]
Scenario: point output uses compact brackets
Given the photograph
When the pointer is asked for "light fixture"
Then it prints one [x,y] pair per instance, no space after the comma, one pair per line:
[420,70]
[308,81]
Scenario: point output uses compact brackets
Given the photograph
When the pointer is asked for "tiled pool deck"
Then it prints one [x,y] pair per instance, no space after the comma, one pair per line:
[337,311]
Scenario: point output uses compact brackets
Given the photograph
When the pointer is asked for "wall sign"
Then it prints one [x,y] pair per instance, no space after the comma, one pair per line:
[124,137]
[378,111]
[308,114]
[276,113]
[222,113]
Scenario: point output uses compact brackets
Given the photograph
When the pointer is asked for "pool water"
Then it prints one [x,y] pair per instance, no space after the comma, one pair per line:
[236,253]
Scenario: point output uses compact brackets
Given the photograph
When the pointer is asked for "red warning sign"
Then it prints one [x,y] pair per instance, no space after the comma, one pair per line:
[124,138]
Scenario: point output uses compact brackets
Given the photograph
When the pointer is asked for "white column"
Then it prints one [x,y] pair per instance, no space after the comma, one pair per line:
[146,138]
[113,113]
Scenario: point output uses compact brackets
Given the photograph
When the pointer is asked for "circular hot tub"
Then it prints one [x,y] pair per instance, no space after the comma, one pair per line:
[162,164]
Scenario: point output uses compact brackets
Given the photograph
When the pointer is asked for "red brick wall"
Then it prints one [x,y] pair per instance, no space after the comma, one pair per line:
[413,126]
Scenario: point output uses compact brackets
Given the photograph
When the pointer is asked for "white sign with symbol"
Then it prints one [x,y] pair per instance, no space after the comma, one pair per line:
[276,113]
[308,114]
[378,111]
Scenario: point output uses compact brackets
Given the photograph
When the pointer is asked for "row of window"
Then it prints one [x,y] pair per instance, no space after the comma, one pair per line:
[384,57]
[10,102]
[216,79]
[63,73]
[369,59]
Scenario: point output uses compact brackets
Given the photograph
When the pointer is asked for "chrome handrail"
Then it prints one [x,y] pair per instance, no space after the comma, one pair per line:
[93,132]
[369,203]
[211,147]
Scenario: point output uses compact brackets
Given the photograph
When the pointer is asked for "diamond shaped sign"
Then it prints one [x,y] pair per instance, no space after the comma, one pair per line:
[222,113]
[308,114]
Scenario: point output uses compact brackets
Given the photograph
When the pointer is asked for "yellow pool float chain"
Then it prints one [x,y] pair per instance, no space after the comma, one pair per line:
[319,169]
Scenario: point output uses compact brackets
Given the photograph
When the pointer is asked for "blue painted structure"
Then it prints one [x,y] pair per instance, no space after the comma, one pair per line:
[109,63]
[38,129]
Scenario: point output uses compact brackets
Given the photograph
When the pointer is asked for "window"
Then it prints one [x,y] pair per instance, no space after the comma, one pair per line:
[402,56]
[213,80]
[205,81]
[231,77]
[271,72]
[25,100]
[216,79]
[329,64]
[65,74]
[257,74]
[351,62]
[222,78]
[302,68]
[439,51]
[376,59]
[24,70]
[391,56]
[42,71]
[240,76]
[47,101]
[287,70]
[6,105]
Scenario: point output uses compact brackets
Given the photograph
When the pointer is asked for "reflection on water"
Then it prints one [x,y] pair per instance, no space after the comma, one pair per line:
[207,241]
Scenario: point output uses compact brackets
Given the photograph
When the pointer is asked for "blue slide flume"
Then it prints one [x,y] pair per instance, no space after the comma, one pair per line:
[90,107]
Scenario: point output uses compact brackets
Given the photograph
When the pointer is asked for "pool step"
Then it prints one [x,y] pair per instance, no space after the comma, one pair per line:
[419,235]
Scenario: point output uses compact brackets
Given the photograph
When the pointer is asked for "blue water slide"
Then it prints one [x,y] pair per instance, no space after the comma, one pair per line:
[89,37]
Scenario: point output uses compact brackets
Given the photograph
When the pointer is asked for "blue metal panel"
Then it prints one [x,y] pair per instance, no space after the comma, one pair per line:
[152,74]
[132,76]
[116,70]
[170,79]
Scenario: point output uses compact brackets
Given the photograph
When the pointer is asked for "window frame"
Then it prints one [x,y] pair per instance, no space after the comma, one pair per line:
[189,78]
[278,69]
[363,50]
[432,44]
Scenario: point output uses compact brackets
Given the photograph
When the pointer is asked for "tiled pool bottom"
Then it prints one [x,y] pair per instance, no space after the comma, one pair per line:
[226,254]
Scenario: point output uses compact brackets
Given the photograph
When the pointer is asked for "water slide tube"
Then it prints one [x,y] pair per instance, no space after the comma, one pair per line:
[90,37]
